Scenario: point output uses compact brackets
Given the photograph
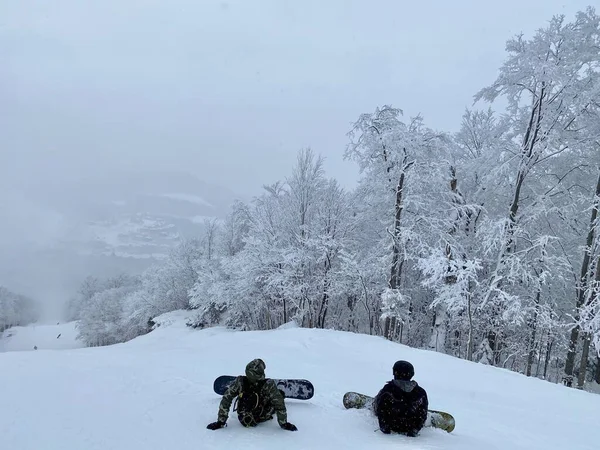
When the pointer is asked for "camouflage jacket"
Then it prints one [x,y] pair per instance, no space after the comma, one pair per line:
[269,394]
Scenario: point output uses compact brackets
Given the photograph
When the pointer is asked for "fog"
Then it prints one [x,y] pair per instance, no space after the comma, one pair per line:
[97,95]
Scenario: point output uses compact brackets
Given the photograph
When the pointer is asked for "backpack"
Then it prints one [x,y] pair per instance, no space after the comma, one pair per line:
[249,404]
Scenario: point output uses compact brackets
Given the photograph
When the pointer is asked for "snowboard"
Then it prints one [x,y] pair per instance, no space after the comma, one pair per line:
[435,419]
[292,388]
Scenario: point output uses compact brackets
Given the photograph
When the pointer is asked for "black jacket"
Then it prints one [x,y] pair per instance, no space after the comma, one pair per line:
[401,406]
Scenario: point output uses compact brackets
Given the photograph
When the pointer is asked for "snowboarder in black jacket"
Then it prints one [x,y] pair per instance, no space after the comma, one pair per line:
[401,405]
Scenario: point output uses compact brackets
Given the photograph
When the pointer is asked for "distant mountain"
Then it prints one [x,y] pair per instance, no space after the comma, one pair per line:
[131,214]
[53,235]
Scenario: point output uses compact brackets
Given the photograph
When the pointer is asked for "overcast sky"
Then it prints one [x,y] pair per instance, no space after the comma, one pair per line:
[231,90]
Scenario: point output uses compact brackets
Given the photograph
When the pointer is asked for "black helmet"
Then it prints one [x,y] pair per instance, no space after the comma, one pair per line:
[403,370]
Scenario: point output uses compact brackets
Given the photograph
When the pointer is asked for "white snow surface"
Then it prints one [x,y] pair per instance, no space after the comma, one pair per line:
[155,392]
[58,336]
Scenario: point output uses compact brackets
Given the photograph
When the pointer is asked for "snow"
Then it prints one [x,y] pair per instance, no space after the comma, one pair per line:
[155,392]
[174,319]
[45,337]
[288,325]
[139,236]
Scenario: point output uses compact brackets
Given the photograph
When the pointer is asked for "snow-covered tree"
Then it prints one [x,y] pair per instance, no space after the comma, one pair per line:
[280,256]
[550,83]
[403,166]
[100,321]
[120,308]
[587,304]
[16,309]
[477,243]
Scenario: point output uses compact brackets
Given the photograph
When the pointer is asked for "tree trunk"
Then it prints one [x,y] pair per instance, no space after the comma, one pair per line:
[323,310]
[574,338]
[389,328]
[528,159]
[351,302]
[325,297]
[470,337]
[528,156]
[571,352]
[439,331]
[597,372]
[585,353]
[587,339]
[397,262]
[533,326]
[538,367]
[549,346]
[408,323]
[396,267]
[495,342]
[457,344]
[401,331]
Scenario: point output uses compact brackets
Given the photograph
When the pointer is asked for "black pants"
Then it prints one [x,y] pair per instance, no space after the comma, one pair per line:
[398,422]
[395,418]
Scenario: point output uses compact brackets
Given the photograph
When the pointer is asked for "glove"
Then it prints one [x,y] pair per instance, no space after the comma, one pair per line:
[384,427]
[289,426]
[215,425]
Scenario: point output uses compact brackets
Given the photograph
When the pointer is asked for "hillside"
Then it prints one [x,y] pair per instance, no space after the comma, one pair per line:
[131,214]
[57,234]
[155,392]
[60,336]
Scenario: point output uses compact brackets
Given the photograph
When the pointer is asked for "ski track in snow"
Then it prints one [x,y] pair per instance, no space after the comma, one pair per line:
[155,392]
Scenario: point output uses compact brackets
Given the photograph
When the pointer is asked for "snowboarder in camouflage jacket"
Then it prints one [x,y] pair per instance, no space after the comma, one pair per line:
[257,399]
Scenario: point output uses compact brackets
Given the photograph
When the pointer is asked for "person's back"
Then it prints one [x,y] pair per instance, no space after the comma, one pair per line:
[258,401]
[401,405]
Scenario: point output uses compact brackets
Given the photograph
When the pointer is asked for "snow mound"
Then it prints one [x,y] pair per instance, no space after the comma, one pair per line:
[593,387]
[155,392]
[62,336]
[289,325]
[176,318]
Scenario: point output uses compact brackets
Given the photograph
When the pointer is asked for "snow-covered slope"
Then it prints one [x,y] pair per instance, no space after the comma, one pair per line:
[59,336]
[156,393]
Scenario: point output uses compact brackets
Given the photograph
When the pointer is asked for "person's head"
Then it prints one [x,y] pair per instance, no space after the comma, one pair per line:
[403,370]
[255,370]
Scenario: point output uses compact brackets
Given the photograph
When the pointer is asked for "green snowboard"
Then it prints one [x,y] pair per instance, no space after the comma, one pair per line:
[435,419]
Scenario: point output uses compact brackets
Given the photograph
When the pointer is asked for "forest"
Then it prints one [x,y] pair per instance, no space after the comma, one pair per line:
[16,309]
[481,243]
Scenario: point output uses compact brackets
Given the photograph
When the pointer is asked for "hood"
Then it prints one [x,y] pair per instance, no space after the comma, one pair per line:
[255,370]
[405,385]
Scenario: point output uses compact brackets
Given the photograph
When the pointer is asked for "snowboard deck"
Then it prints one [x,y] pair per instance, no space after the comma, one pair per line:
[292,388]
[435,419]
